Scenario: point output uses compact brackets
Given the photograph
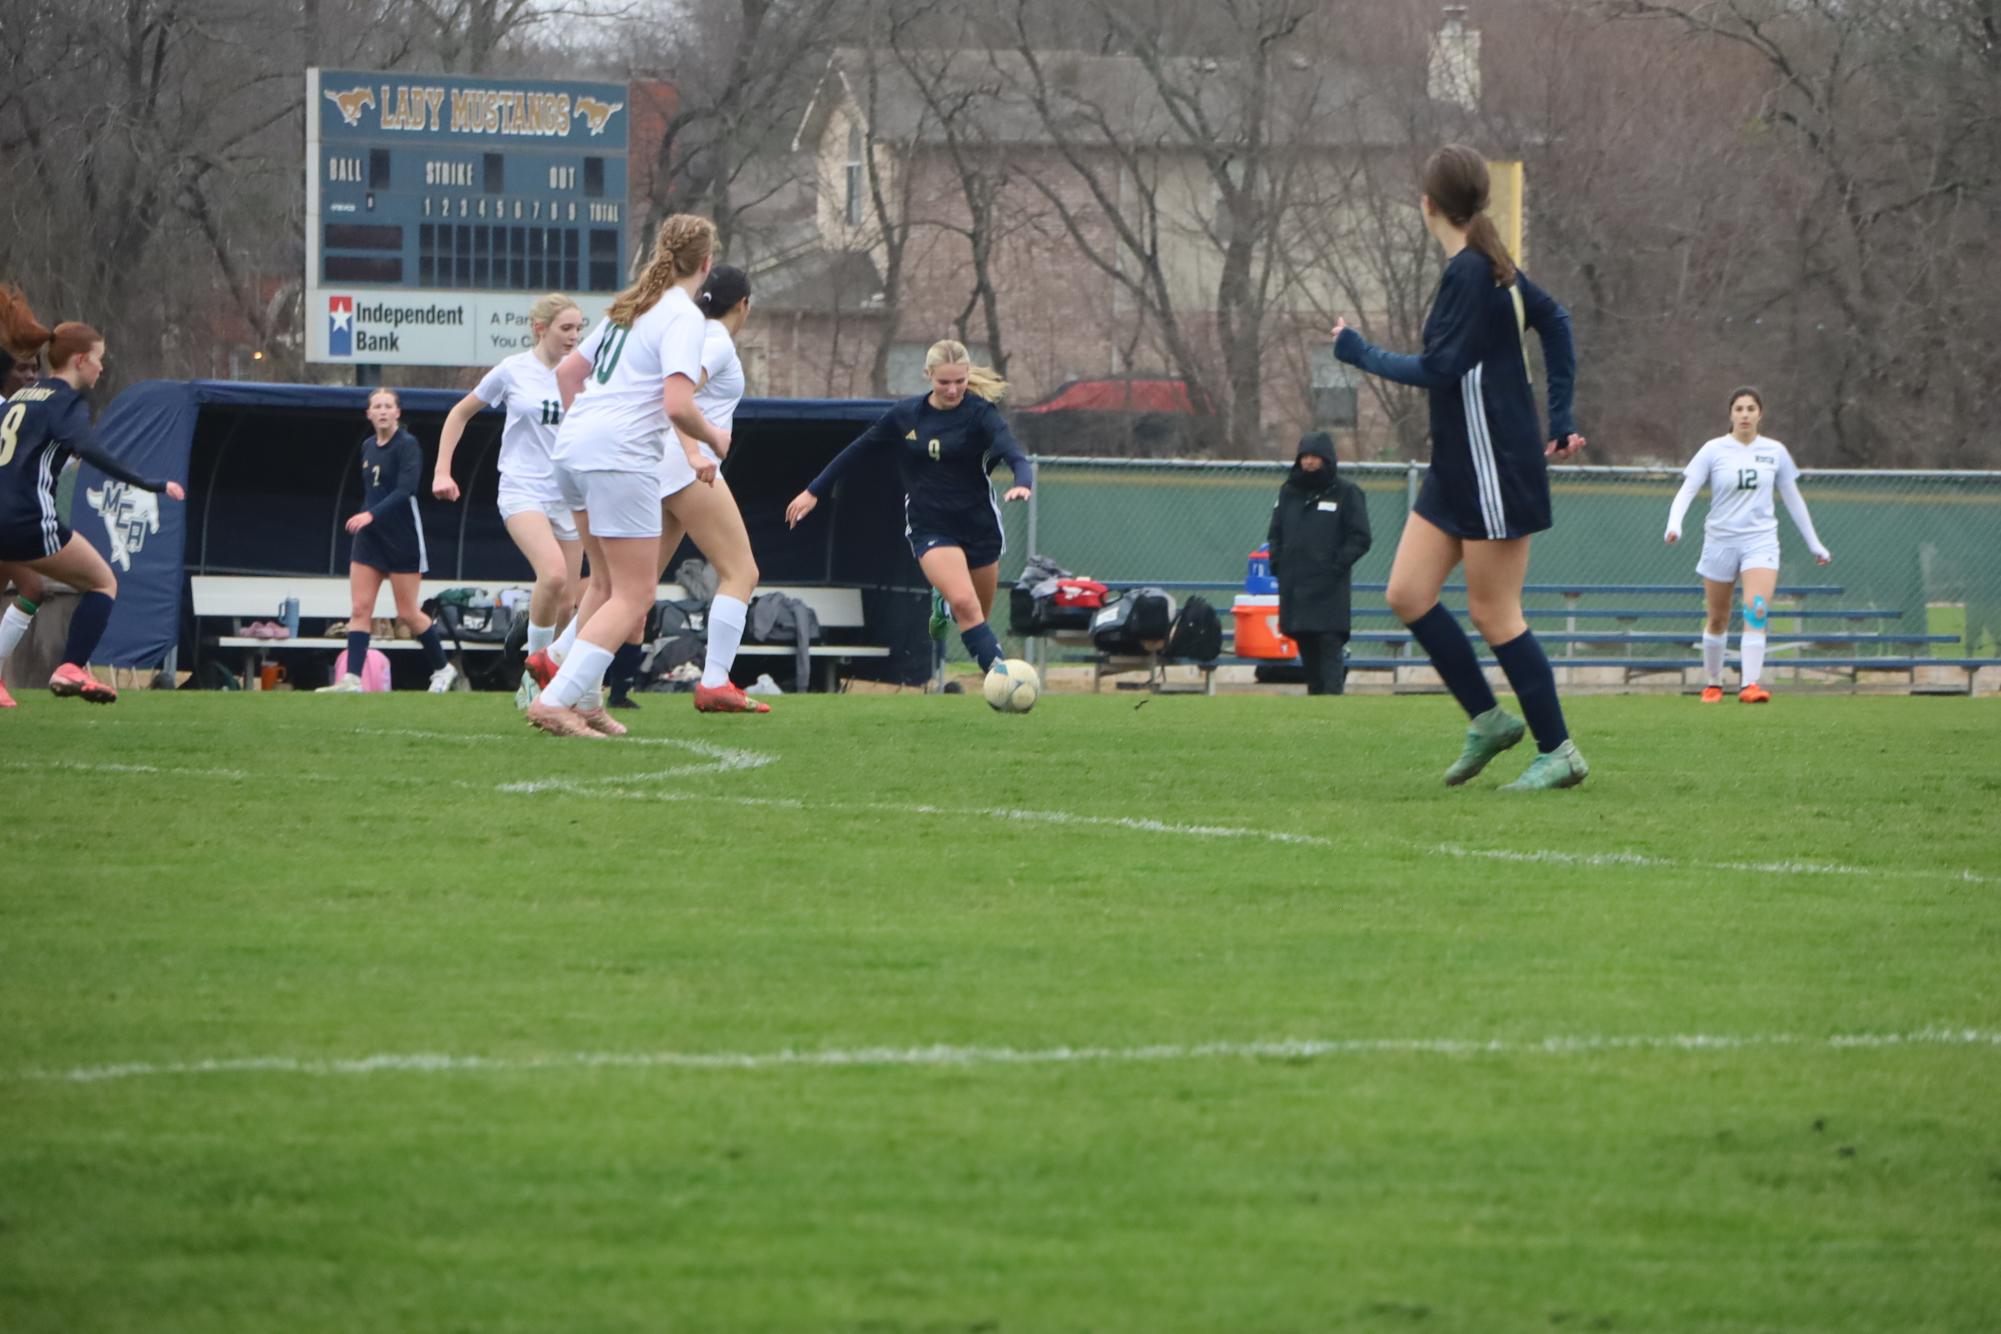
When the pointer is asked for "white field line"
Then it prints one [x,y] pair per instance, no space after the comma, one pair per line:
[945,1056]
[1645,860]
[723,759]
[108,767]
[612,787]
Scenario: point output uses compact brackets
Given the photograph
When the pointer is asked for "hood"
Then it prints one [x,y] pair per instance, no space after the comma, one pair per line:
[1321,446]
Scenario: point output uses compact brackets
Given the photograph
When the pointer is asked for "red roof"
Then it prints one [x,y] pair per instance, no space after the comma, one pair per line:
[1119,395]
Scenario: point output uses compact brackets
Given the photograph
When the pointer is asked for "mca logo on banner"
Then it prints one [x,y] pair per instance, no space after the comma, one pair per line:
[129,514]
[340,326]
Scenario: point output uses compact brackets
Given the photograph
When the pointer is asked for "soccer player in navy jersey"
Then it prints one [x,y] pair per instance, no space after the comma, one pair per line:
[946,442]
[16,372]
[1488,486]
[389,544]
[41,427]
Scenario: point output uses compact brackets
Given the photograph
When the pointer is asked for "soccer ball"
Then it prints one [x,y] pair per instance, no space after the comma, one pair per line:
[1012,686]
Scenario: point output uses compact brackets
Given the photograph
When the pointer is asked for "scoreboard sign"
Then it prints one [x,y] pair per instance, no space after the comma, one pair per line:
[439,207]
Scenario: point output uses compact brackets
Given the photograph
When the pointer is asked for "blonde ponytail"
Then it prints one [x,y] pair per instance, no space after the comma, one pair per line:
[680,248]
[981,380]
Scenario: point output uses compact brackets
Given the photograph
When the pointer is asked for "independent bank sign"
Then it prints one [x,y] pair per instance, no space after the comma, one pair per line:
[406,328]
[426,328]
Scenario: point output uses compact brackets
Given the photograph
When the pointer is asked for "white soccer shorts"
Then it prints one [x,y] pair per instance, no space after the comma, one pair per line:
[676,473]
[538,498]
[1723,560]
[619,504]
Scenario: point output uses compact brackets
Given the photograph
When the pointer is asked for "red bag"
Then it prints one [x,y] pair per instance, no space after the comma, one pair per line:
[1080,593]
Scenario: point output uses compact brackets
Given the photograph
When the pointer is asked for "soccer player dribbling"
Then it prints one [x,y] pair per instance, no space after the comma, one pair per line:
[946,442]
[41,427]
[1740,539]
[1487,490]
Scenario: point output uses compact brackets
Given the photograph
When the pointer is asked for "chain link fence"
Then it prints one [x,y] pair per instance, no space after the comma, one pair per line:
[1918,552]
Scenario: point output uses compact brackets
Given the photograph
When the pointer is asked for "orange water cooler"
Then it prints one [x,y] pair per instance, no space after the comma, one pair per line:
[1257,628]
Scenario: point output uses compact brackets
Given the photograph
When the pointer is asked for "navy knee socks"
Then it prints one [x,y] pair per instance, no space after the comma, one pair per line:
[1528,671]
[86,627]
[1452,656]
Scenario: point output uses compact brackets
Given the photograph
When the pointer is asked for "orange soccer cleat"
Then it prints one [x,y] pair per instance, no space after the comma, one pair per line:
[70,679]
[6,700]
[1712,694]
[1754,694]
[726,698]
[542,667]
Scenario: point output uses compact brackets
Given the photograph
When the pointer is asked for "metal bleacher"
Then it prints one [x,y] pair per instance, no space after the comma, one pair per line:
[1628,650]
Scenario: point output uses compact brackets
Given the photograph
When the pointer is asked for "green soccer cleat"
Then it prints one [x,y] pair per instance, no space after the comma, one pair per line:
[1562,767]
[527,692]
[1490,734]
[941,616]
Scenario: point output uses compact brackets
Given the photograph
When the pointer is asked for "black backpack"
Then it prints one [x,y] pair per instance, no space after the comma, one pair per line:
[671,640]
[1138,622]
[1198,633]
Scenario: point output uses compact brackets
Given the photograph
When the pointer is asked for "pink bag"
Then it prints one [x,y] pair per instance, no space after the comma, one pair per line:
[374,671]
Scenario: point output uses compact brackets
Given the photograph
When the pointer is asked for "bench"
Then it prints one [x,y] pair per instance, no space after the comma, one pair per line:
[1852,666]
[1570,637]
[238,598]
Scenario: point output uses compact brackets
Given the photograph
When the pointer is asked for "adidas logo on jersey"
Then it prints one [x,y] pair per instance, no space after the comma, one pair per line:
[910,435]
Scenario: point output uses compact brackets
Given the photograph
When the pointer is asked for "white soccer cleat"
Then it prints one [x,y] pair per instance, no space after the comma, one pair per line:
[442,679]
[527,692]
[349,684]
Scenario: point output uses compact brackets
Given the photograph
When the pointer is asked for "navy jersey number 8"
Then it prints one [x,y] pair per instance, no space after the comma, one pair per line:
[10,432]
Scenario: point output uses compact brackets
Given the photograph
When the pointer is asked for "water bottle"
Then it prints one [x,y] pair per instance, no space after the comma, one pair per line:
[288,612]
[1258,579]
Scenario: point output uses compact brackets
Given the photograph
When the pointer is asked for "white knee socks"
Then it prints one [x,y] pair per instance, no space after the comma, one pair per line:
[726,620]
[13,625]
[1752,646]
[1712,658]
[540,636]
[560,649]
[582,672]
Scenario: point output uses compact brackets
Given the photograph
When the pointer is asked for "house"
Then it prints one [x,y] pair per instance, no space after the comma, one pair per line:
[1090,184]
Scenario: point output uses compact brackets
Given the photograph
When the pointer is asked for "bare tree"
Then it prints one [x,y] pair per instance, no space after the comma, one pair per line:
[1206,147]
[959,90]
[467,36]
[741,72]
[1873,128]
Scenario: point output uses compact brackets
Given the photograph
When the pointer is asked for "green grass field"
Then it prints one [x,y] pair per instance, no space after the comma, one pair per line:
[889,1014]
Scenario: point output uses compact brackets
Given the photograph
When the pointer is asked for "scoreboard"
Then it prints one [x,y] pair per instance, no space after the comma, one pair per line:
[439,207]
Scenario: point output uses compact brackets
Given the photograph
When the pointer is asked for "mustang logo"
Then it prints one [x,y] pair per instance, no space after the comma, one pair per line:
[351,102]
[129,514]
[596,114]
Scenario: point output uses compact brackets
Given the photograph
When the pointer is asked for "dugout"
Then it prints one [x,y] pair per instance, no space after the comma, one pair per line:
[271,476]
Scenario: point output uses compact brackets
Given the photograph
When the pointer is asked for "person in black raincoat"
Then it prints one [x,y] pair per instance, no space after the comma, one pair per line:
[1319,529]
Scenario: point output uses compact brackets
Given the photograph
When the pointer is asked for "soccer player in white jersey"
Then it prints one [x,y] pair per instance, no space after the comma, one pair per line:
[709,514]
[1741,537]
[530,504]
[633,375]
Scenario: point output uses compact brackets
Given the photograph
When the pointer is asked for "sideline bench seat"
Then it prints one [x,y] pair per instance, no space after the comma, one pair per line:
[241,598]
